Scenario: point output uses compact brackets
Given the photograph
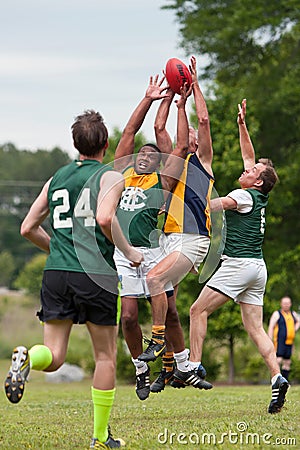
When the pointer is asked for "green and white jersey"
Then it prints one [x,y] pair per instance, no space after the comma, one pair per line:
[77,242]
[138,210]
[245,226]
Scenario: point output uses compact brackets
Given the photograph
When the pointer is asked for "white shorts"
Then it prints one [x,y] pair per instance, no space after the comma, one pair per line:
[242,279]
[133,279]
[193,246]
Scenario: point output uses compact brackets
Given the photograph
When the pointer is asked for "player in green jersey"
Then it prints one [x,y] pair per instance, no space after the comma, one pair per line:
[145,192]
[80,281]
[242,275]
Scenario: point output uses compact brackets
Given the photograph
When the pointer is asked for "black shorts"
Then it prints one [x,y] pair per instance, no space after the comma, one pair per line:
[284,351]
[75,296]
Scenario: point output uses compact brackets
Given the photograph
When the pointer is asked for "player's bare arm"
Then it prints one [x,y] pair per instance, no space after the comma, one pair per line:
[125,148]
[111,187]
[175,162]
[163,139]
[31,226]
[205,149]
[247,149]
[273,321]
[222,203]
[297,322]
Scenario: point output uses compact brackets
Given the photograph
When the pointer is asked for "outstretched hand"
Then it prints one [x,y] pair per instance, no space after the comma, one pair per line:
[193,69]
[185,92]
[155,89]
[242,112]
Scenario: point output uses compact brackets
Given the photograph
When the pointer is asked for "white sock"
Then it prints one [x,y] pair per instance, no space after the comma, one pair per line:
[140,366]
[182,360]
[275,378]
[194,365]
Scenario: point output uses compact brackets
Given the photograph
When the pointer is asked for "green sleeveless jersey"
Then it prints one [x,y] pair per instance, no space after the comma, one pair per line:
[77,242]
[245,231]
[140,203]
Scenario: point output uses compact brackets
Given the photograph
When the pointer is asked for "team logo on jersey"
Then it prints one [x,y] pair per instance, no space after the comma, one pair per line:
[133,198]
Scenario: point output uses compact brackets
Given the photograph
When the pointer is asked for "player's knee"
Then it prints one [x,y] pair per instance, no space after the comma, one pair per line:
[129,322]
[172,316]
[196,310]
[150,278]
[155,283]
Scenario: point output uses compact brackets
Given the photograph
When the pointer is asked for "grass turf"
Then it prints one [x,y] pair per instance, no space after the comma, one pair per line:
[52,416]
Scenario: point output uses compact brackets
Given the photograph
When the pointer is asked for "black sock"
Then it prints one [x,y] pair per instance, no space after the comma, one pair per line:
[285,373]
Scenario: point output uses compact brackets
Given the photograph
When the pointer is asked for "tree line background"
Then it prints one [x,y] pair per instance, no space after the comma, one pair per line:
[253,52]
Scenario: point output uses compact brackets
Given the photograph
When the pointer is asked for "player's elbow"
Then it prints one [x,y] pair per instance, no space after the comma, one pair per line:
[105,222]
[159,127]
[25,230]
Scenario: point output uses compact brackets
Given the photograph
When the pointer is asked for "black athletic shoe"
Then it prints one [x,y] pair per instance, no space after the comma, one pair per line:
[161,381]
[279,389]
[201,371]
[153,351]
[189,378]
[179,384]
[18,373]
[109,443]
[143,384]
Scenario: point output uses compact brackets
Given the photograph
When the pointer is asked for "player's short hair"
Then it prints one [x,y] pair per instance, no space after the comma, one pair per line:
[154,147]
[89,133]
[268,175]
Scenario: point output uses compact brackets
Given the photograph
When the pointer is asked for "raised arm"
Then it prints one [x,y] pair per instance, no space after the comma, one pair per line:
[247,149]
[163,138]
[125,148]
[175,162]
[205,149]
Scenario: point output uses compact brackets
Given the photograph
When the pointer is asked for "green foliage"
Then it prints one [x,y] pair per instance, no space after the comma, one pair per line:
[114,140]
[7,267]
[29,166]
[80,349]
[30,278]
[295,370]
[237,35]
[22,175]
[255,370]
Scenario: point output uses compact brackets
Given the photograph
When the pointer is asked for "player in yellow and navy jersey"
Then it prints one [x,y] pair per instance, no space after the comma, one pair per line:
[186,231]
[282,330]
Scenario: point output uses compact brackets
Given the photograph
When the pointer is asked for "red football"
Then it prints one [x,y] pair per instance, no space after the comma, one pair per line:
[177,74]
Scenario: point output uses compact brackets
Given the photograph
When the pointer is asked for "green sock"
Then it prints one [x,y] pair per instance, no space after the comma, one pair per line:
[40,357]
[103,401]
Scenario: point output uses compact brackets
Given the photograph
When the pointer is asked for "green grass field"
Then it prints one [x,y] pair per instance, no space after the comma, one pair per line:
[52,416]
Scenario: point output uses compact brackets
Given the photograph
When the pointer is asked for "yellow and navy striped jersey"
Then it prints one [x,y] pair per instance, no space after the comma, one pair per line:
[284,330]
[187,208]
